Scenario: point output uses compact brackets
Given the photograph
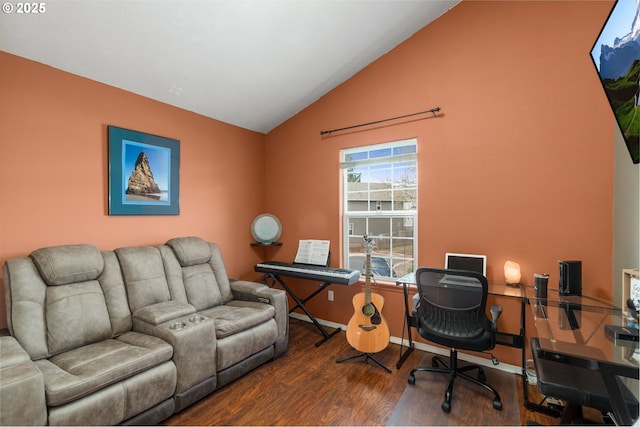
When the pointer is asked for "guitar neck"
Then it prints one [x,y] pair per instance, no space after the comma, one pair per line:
[367,280]
[367,272]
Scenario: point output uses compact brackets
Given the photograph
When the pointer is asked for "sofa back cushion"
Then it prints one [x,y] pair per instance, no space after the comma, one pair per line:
[76,315]
[144,276]
[56,301]
[198,264]
[201,286]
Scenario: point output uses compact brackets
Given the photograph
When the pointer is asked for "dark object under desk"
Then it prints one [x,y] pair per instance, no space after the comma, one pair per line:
[577,386]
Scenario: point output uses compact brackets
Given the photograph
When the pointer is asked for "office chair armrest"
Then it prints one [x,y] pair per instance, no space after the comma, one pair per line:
[496,311]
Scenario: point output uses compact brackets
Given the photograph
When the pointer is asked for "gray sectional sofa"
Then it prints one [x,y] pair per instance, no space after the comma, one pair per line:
[129,336]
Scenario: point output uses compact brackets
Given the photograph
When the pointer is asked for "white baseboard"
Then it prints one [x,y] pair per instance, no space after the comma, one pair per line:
[426,347]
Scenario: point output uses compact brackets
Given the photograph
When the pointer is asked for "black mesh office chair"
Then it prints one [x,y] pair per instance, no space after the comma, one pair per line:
[451,312]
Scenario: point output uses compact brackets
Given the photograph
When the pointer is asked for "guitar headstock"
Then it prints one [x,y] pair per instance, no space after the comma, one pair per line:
[368,244]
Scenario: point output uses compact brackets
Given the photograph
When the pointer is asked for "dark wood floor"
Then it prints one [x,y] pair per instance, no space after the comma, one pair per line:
[308,387]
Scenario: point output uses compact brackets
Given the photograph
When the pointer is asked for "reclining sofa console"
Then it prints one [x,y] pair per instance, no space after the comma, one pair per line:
[129,336]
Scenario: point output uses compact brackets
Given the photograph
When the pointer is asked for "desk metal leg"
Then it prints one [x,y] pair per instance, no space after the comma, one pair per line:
[407,325]
[301,304]
[620,409]
[533,407]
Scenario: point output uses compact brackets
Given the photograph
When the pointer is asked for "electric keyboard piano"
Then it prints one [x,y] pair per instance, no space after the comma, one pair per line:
[339,276]
[327,275]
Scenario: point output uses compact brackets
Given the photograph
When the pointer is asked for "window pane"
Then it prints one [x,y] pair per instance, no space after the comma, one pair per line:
[381,176]
[360,155]
[402,227]
[379,227]
[356,245]
[402,266]
[356,261]
[405,176]
[405,200]
[380,200]
[358,227]
[403,248]
[384,152]
[405,149]
[381,266]
[358,174]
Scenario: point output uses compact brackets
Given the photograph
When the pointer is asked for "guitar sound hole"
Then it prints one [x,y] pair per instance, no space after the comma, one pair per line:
[368,310]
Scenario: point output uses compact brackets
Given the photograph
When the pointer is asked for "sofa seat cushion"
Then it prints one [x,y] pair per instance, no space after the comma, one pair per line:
[237,316]
[238,347]
[84,370]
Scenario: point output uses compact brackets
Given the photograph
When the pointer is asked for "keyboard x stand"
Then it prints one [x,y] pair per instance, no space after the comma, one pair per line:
[300,303]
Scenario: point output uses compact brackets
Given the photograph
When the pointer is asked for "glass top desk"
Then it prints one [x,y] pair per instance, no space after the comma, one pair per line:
[571,329]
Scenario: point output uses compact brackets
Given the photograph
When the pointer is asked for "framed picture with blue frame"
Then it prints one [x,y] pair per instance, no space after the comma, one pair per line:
[144,173]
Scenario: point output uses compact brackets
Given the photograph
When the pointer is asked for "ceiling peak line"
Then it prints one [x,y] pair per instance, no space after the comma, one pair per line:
[432,110]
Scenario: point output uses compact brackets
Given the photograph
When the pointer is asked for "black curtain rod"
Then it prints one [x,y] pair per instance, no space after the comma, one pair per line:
[433,110]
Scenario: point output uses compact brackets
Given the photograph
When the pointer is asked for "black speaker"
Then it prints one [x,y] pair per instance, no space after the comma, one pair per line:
[570,278]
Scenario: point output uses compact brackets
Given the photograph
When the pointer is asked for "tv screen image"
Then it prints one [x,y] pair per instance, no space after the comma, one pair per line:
[616,56]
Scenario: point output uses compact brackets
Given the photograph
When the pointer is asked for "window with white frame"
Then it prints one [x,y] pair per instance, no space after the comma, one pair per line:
[381,201]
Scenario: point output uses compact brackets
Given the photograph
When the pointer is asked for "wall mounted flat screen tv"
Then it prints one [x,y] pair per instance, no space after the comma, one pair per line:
[616,56]
[468,262]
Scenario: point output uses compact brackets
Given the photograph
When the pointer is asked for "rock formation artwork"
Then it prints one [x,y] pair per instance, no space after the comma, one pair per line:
[141,179]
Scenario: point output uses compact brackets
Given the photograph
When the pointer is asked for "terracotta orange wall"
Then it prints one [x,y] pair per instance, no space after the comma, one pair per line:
[54,173]
[518,166]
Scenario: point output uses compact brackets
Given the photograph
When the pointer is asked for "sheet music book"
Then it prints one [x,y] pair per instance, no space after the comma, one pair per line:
[313,252]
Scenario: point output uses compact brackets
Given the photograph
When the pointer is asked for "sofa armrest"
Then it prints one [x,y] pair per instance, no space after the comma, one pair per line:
[192,336]
[21,388]
[163,312]
[253,291]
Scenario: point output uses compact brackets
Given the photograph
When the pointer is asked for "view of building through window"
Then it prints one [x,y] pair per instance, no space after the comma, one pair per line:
[380,200]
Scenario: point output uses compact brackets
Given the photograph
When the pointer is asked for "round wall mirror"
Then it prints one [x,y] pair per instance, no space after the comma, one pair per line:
[266,229]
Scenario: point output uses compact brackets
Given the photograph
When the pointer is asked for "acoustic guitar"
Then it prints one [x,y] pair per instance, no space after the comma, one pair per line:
[367,331]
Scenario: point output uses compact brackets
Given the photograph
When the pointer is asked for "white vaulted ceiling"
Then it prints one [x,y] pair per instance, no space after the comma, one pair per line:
[250,63]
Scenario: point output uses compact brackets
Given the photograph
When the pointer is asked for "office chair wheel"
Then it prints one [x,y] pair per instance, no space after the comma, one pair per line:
[412,379]
[497,404]
[446,403]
